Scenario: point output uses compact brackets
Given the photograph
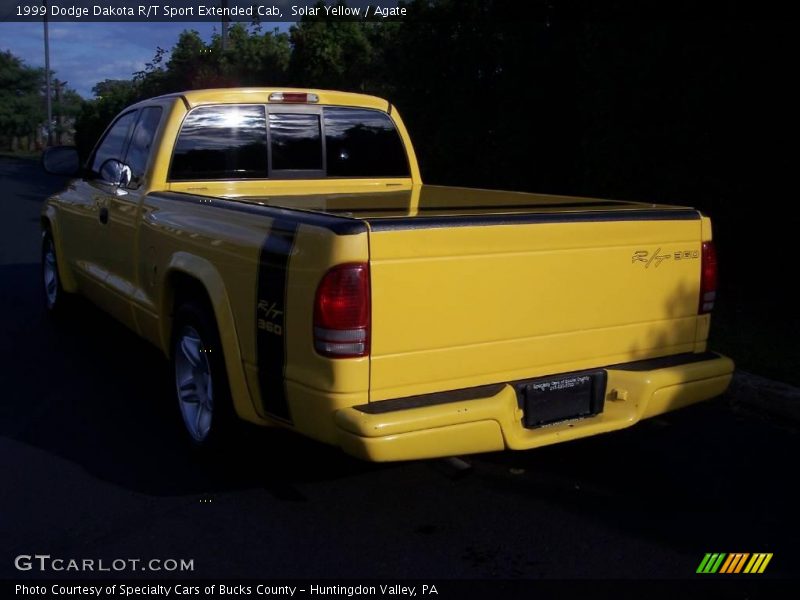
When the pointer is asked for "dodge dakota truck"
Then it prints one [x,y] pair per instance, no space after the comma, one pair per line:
[280,248]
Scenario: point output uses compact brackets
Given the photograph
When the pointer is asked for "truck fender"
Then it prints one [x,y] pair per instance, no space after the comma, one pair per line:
[207,276]
[49,222]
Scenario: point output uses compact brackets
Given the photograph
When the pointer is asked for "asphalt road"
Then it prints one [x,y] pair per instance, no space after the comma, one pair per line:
[91,467]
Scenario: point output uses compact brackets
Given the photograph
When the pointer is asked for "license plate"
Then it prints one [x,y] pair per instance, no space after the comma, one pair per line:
[564,397]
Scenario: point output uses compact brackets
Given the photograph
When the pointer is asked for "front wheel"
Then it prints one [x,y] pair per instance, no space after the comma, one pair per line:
[53,293]
[201,383]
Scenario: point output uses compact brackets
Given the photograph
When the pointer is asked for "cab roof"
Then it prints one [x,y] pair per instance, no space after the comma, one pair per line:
[261,96]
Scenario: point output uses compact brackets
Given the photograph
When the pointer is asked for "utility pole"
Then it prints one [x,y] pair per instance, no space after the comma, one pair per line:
[59,86]
[47,78]
[224,25]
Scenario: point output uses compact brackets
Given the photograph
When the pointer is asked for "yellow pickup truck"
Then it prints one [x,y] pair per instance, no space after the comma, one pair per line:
[280,248]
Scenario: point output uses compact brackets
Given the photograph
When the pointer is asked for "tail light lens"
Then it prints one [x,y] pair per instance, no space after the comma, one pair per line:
[342,312]
[708,278]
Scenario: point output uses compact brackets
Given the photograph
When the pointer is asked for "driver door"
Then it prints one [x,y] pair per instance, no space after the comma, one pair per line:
[95,247]
[120,259]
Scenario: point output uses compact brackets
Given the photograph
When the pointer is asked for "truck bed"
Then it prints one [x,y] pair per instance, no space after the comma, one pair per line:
[474,287]
[432,206]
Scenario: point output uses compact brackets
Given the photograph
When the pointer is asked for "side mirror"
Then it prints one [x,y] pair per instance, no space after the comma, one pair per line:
[61,160]
[115,173]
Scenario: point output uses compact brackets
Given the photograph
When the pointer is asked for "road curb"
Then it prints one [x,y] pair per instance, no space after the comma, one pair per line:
[764,395]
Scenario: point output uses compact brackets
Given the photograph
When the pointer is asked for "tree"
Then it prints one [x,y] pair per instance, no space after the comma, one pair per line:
[191,64]
[111,96]
[331,53]
[21,104]
[252,58]
[67,106]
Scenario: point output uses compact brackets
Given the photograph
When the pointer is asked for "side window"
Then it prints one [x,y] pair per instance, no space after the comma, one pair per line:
[113,144]
[363,143]
[221,142]
[141,143]
[296,142]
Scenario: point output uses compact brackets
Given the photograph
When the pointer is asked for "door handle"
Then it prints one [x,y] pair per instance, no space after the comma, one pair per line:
[103,215]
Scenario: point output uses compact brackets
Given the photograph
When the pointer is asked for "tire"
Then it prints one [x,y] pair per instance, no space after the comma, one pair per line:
[54,296]
[201,381]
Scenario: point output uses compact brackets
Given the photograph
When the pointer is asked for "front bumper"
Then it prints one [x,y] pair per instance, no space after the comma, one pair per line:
[489,418]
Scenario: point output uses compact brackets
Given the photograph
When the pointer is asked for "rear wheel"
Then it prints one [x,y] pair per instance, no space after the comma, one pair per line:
[201,382]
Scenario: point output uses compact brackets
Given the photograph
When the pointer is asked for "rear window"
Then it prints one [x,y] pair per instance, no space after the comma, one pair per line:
[222,142]
[259,142]
[296,141]
[363,143]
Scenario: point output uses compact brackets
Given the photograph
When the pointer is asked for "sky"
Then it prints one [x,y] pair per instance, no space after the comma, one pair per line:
[84,53]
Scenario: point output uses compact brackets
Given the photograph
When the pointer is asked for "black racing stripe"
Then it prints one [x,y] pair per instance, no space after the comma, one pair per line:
[273,275]
[447,209]
[521,207]
[422,400]
[336,224]
[389,224]
[379,209]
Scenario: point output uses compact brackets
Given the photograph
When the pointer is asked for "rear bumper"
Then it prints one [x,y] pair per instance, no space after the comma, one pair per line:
[489,418]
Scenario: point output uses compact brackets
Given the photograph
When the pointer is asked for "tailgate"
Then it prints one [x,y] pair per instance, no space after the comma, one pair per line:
[466,300]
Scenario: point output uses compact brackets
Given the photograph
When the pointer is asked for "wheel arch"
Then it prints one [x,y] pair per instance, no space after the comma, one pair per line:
[188,276]
[49,224]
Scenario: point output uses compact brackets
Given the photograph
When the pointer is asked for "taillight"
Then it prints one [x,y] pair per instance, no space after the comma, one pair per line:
[708,278]
[342,312]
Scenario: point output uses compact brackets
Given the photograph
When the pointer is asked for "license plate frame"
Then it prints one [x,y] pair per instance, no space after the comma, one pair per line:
[558,398]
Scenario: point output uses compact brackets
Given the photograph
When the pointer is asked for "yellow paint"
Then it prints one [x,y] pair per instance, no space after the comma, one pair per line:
[757,564]
[764,564]
[464,306]
[750,564]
